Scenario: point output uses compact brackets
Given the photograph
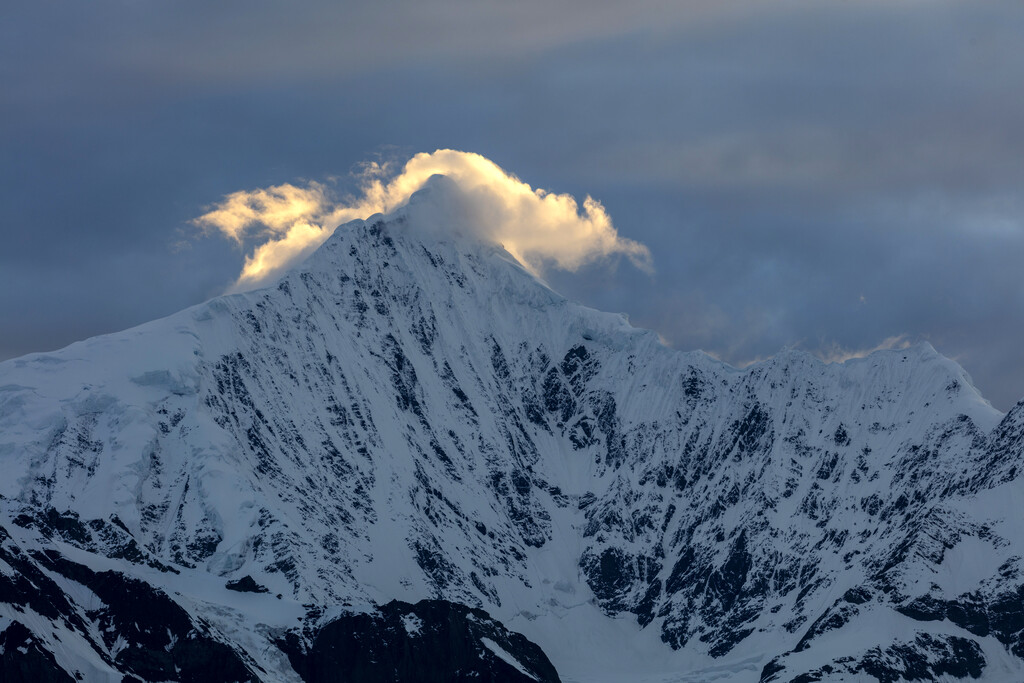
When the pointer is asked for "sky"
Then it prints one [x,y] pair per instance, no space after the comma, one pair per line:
[827,175]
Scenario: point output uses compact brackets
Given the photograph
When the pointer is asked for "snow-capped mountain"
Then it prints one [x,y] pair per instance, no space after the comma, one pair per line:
[413,440]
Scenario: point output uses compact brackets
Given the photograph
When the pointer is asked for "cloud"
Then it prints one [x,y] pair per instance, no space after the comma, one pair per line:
[837,354]
[541,229]
[292,221]
[273,211]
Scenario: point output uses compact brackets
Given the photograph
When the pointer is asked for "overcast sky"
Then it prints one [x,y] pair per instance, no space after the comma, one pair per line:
[833,176]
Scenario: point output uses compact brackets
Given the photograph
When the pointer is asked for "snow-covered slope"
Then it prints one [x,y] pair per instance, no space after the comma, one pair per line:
[410,415]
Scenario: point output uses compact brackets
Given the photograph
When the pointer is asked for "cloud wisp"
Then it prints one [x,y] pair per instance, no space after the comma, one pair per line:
[540,229]
[835,353]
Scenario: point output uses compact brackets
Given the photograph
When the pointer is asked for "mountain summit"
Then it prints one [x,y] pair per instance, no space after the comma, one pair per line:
[410,438]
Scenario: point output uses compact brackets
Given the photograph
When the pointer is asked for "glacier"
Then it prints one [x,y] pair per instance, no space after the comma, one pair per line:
[411,428]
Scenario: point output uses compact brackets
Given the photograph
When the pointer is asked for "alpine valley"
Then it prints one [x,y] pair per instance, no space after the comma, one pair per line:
[410,460]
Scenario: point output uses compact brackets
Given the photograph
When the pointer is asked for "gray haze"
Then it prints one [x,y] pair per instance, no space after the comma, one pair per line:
[832,176]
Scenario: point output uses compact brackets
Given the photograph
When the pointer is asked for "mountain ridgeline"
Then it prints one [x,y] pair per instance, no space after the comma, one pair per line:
[410,440]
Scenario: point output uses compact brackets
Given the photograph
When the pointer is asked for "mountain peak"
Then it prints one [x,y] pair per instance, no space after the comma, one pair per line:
[411,414]
[444,192]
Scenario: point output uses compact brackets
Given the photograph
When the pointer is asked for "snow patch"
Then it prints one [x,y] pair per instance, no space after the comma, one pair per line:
[504,656]
[413,624]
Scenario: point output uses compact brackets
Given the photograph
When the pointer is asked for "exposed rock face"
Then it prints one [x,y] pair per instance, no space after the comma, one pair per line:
[433,641]
[23,659]
[246,584]
[405,418]
[115,623]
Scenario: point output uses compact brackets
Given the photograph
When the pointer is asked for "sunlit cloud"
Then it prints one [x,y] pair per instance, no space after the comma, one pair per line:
[837,354]
[831,353]
[272,211]
[474,196]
